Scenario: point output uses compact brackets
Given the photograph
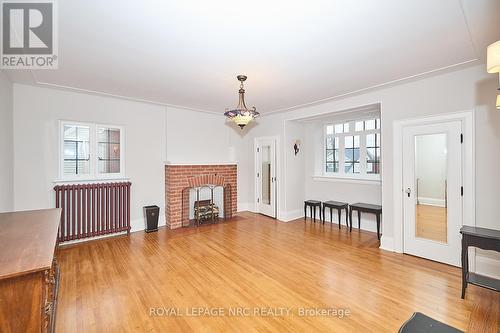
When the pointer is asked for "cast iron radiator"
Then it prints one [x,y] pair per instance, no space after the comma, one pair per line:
[90,210]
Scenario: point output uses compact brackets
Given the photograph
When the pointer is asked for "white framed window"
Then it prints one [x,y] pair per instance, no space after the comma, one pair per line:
[91,151]
[353,149]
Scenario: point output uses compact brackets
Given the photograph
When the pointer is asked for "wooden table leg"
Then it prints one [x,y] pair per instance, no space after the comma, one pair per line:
[350,218]
[359,219]
[323,213]
[465,264]
[346,217]
[339,210]
[305,212]
[378,226]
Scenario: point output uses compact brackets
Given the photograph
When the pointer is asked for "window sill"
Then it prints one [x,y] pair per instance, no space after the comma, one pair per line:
[91,180]
[352,180]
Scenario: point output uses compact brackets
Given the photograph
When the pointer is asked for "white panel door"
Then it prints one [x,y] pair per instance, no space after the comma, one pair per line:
[432,185]
[266,177]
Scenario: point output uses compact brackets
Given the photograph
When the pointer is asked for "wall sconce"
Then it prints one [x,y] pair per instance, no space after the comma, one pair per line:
[296,147]
[493,64]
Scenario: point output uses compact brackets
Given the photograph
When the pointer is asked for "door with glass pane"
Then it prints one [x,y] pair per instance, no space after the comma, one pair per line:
[432,180]
[266,178]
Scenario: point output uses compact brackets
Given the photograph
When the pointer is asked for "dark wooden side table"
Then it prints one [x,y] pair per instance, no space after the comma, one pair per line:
[339,206]
[312,204]
[366,208]
[486,239]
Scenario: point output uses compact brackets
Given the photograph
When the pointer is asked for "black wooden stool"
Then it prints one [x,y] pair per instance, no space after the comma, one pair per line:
[312,205]
[367,208]
[338,206]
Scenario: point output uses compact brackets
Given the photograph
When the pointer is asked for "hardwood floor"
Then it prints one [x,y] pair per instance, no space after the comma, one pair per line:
[431,222]
[255,262]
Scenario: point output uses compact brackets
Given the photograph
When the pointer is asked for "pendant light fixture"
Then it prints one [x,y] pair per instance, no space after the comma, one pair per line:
[241,115]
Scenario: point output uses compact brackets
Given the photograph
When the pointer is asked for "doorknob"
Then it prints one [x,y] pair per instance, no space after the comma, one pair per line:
[408,191]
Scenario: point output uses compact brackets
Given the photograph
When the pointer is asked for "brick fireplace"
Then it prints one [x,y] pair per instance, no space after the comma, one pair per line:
[179,177]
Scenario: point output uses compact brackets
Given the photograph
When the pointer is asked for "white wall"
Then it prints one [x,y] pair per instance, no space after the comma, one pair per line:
[36,115]
[154,134]
[6,145]
[294,169]
[198,137]
[195,137]
[470,88]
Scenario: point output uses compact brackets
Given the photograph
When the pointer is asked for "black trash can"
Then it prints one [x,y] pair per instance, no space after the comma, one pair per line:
[151,213]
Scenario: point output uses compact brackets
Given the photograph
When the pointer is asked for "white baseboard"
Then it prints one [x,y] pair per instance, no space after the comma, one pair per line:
[245,207]
[139,224]
[432,202]
[83,240]
[387,243]
[291,215]
[135,226]
[368,221]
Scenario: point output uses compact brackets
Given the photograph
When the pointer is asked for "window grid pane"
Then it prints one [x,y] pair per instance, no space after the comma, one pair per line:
[373,153]
[76,150]
[352,145]
[351,149]
[370,124]
[108,147]
[352,167]
[329,142]
[339,128]
[332,154]
[329,129]
[360,126]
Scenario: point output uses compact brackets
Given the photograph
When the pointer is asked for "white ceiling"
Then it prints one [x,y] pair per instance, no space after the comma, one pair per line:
[188,53]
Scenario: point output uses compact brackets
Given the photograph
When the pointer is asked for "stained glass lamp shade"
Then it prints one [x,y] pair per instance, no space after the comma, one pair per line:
[241,115]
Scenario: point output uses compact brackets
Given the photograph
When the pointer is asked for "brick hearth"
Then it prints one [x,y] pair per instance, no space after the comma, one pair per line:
[178,177]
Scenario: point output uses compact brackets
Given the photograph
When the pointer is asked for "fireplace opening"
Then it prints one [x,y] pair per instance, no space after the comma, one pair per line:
[206,204]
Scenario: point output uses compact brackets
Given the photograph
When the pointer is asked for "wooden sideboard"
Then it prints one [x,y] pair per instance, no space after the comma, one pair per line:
[29,274]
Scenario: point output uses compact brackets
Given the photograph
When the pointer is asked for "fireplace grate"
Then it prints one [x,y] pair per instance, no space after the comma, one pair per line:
[206,211]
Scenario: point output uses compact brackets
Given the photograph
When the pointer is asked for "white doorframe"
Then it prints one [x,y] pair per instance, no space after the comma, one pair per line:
[277,172]
[468,167]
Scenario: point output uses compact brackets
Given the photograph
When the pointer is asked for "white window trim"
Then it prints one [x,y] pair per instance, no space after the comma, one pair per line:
[94,175]
[342,175]
[351,180]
